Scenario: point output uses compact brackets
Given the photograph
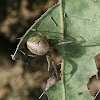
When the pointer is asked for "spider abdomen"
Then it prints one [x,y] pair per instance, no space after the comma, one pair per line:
[37,45]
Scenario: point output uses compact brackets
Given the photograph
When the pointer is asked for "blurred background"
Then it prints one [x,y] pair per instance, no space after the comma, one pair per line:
[21,80]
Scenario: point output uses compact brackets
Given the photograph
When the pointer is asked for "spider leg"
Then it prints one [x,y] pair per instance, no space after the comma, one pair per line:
[27,65]
[82,41]
[65,42]
[55,69]
[48,61]
[71,41]
[31,55]
[34,30]
[22,52]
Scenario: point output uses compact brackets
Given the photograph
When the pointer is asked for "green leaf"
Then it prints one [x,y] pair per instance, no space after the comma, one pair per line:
[76,21]
[81,22]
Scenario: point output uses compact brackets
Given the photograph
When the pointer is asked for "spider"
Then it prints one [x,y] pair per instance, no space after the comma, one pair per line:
[39,46]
